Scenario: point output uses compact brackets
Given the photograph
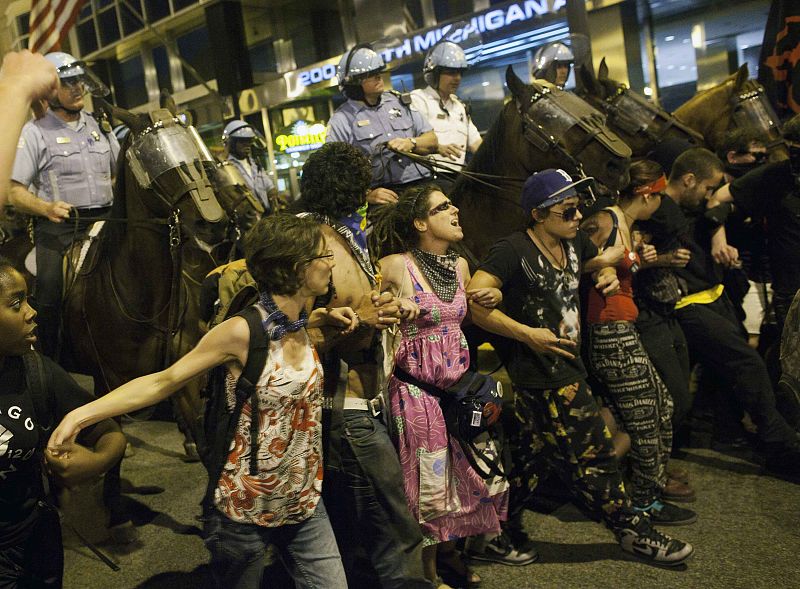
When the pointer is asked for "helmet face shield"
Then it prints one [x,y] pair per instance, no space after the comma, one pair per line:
[76,73]
[358,64]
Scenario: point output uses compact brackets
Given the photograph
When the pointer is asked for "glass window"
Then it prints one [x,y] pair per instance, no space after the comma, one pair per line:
[98,4]
[108,26]
[178,4]
[156,9]
[129,83]
[262,57]
[86,11]
[130,21]
[23,23]
[195,48]
[87,39]
[161,63]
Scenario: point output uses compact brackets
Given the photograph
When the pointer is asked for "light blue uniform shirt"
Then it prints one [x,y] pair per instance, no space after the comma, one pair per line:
[257,179]
[367,127]
[60,163]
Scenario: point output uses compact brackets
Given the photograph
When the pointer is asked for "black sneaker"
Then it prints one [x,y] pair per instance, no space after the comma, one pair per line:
[647,543]
[662,513]
[500,550]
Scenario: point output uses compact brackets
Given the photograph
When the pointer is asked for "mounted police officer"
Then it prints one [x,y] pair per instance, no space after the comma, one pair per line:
[372,120]
[443,67]
[238,137]
[553,62]
[65,162]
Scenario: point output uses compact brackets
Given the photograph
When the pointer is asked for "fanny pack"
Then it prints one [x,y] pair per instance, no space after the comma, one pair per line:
[471,406]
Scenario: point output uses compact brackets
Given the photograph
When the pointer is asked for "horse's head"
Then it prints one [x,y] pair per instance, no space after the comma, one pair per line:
[168,160]
[639,122]
[736,102]
[560,123]
[241,205]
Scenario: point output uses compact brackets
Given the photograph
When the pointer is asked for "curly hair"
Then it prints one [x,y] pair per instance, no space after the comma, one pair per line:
[393,228]
[277,247]
[642,172]
[335,180]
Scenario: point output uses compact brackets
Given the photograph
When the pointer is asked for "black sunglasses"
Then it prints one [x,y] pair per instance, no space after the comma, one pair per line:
[568,214]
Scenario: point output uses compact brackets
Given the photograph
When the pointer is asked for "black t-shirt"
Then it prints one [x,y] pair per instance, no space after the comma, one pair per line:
[770,191]
[22,440]
[539,295]
[672,227]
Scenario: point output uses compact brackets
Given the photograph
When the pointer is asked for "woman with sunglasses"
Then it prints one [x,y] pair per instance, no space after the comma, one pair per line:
[617,357]
[444,493]
[281,503]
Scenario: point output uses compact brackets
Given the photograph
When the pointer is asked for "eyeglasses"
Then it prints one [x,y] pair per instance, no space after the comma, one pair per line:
[328,255]
[568,214]
[440,208]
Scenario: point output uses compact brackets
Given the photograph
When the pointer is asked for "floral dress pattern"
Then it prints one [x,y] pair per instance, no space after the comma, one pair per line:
[287,488]
[448,498]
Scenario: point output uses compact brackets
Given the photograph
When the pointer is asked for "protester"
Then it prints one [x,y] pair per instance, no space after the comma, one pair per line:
[617,358]
[428,277]
[35,395]
[363,478]
[538,271]
[25,78]
[715,336]
[374,120]
[281,502]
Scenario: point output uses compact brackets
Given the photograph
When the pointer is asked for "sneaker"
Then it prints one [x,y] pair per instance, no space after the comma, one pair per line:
[678,492]
[647,543]
[500,550]
[662,513]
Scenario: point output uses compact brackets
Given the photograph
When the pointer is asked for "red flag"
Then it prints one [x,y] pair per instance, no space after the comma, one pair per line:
[779,69]
[50,21]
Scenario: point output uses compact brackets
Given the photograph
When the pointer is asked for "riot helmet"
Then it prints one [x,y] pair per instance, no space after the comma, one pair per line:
[443,55]
[72,71]
[121,132]
[548,59]
[358,63]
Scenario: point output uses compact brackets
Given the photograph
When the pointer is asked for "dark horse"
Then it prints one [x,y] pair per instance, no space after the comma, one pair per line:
[124,309]
[638,121]
[541,127]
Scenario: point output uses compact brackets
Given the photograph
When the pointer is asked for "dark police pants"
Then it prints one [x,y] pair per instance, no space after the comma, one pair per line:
[367,505]
[718,341]
[52,240]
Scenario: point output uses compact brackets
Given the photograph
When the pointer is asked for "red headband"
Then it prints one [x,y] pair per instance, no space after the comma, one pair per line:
[655,186]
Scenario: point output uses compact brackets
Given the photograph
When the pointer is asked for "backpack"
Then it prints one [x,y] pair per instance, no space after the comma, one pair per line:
[471,406]
[220,421]
[42,394]
[227,290]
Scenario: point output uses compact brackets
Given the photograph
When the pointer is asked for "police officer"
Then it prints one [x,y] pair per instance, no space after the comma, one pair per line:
[65,162]
[443,67]
[372,119]
[238,137]
[553,63]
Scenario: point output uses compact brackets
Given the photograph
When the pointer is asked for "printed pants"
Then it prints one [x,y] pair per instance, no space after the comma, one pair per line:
[562,428]
[641,401]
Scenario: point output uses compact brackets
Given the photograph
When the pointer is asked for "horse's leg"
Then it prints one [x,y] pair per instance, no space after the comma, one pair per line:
[187,407]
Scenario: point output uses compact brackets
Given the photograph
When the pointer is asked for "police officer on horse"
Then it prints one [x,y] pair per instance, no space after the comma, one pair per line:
[238,137]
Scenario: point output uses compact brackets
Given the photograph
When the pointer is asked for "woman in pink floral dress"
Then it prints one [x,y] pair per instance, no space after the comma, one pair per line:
[449,499]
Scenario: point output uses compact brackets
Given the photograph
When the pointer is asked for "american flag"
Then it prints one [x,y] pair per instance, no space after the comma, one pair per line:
[50,22]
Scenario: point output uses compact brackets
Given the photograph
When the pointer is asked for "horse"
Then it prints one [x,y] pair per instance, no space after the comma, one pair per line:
[124,308]
[638,121]
[541,127]
[736,102]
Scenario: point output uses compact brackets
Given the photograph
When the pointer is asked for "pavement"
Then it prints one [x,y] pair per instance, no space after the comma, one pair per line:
[747,536]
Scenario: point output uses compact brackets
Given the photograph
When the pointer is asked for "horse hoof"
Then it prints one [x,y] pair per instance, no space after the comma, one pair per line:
[129,450]
[190,448]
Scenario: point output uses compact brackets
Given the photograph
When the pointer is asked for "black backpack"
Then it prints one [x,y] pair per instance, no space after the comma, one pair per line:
[42,394]
[220,421]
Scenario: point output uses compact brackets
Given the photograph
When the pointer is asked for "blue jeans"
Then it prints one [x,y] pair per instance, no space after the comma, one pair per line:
[308,551]
[369,508]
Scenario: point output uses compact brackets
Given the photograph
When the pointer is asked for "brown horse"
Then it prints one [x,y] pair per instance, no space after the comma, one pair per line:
[123,311]
[637,120]
[541,127]
[736,102]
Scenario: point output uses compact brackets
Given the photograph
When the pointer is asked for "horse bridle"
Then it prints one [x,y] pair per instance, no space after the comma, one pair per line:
[624,119]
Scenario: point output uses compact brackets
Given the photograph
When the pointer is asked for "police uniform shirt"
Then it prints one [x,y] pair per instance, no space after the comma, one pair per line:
[449,121]
[368,127]
[256,179]
[62,163]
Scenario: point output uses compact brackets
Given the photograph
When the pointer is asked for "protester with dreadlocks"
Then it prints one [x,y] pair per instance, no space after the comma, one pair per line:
[428,278]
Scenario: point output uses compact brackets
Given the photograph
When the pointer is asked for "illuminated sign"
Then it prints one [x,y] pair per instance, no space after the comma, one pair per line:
[301,136]
[489,21]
